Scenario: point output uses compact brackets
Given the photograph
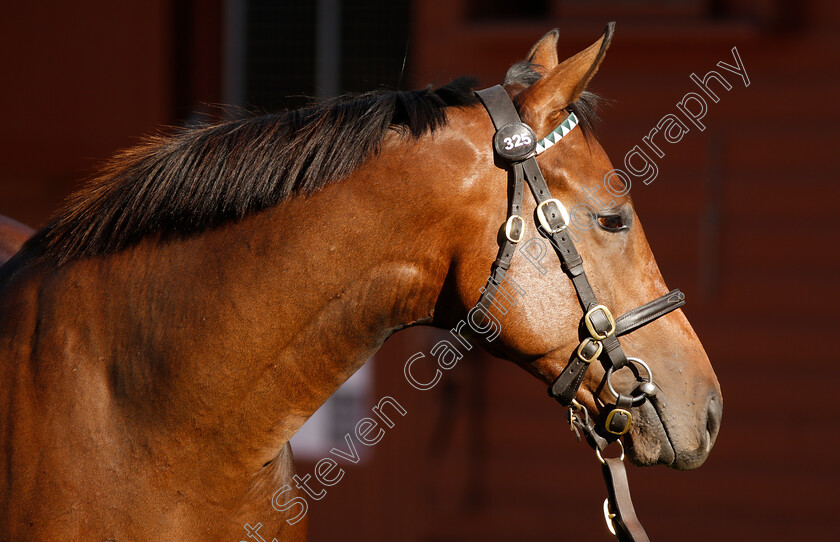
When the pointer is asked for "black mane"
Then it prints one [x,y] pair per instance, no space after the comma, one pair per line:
[200,178]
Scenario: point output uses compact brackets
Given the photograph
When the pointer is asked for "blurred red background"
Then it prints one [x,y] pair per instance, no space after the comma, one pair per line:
[740,217]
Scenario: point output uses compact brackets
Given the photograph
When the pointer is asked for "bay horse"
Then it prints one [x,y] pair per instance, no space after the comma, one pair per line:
[165,335]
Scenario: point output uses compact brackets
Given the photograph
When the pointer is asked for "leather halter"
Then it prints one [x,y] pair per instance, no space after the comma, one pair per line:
[516,148]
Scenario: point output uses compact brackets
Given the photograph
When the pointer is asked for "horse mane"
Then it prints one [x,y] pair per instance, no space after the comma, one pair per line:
[197,178]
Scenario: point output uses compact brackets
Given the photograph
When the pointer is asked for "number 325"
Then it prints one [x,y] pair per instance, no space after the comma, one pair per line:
[516,140]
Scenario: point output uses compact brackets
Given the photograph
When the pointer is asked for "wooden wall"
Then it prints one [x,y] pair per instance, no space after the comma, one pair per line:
[741,217]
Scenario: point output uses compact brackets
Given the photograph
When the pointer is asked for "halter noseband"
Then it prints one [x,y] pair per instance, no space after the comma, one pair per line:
[516,146]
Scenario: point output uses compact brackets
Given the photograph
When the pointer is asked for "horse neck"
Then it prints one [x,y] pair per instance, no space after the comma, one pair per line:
[270,315]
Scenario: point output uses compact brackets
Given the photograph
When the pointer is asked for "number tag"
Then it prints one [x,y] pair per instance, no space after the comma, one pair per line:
[514,141]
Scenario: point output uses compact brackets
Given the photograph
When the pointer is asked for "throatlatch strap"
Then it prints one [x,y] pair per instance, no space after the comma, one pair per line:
[503,112]
[508,247]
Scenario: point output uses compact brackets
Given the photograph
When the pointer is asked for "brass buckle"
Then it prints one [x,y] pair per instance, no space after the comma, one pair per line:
[583,345]
[587,319]
[612,414]
[609,516]
[509,228]
[544,221]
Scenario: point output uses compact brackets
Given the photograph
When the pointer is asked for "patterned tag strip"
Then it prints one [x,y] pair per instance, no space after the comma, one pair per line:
[559,133]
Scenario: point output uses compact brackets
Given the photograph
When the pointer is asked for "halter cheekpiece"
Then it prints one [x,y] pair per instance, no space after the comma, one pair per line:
[517,147]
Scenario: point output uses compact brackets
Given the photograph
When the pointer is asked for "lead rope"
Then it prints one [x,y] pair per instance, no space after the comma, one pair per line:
[619,513]
[515,144]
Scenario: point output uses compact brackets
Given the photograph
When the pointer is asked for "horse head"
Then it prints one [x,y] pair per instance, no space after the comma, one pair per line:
[678,424]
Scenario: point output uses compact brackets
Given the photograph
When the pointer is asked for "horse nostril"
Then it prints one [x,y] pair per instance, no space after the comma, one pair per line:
[714,413]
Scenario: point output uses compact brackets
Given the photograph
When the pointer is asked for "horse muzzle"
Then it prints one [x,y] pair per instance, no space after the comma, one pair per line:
[667,432]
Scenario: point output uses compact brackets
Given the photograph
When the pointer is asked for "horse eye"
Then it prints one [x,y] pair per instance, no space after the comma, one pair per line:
[611,223]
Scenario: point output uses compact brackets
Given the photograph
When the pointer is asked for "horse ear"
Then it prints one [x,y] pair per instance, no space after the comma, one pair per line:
[543,54]
[565,82]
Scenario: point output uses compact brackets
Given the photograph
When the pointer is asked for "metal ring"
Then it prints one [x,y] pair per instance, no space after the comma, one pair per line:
[601,458]
[638,399]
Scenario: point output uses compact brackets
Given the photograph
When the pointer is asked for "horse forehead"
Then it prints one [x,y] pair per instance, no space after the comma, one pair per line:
[583,151]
